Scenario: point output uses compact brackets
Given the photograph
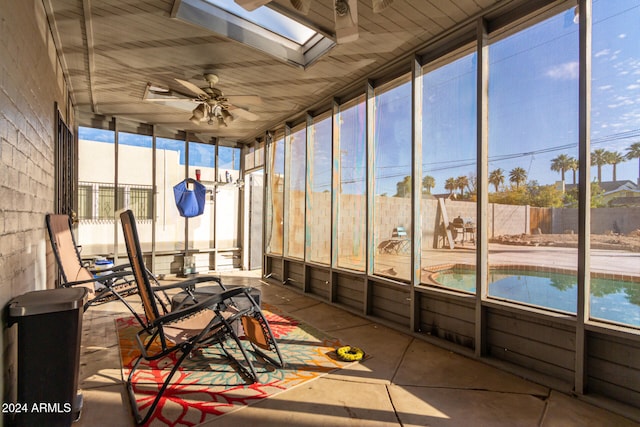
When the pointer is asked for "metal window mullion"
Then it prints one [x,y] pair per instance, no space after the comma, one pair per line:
[214,217]
[369,150]
[482,141]
[584,194]
[154,188]
[186,173]
[416,192]
[308,179]
[115,190]
[266,190]
[336,173]
[95,201]
[285,193]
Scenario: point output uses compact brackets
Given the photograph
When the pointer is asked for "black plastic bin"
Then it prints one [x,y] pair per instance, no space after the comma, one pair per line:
[49,331]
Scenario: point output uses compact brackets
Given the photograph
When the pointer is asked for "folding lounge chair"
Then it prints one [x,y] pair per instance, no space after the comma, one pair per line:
[113,286]
[207,321]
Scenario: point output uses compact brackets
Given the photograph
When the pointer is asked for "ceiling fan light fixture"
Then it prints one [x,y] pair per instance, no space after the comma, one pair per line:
[346,18]
[380,5]
[200,111]
[226,116]
[342,7]
[198,114]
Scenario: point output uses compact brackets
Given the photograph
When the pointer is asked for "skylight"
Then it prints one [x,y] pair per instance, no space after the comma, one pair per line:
[264,29]
[269,19]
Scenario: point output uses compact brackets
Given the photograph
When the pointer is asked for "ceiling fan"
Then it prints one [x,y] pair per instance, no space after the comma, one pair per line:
[213,106]
[345,13]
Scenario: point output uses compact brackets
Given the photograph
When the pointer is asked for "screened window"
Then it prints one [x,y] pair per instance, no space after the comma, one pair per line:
[140,202]
[615,157]
[295,192]
[170,169]
[319,191]
[96,167]
[392,181]
[448,199]
[202,161]
[351,235]
[85,201]
[228,198]
[274,214]
[533,130]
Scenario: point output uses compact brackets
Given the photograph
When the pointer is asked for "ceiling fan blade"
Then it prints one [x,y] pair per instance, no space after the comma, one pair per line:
[179,104]
[251,4]
[244,99]
[193,88]
[346,18]
[158,93]
[245,114]
[380,5]
[301,5]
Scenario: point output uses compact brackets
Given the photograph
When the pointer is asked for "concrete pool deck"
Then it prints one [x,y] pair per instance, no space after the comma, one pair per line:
[602,260]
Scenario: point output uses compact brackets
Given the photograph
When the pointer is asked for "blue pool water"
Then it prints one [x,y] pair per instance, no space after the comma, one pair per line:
[614,300]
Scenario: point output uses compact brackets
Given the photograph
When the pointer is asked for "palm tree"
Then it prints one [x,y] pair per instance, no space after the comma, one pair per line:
[496,178]
[518,176]
[428,182]
[403,188]
[613,158]
[461,183]
[599,159]
[450,184]
[561,164]
[574,165]
[633,152]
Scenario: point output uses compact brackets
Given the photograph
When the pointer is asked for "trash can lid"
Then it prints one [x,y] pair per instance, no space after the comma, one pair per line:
[47,301]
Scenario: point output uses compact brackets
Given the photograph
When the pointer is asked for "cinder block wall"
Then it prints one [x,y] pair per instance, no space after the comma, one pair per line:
[31,81]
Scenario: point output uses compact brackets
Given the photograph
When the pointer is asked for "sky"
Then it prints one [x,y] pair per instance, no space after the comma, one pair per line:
[199,154]
[533,106]
[533,98]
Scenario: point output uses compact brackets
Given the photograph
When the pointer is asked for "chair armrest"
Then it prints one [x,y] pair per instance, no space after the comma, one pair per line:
[189,284]
[114,269]
[100,279]
[209,302]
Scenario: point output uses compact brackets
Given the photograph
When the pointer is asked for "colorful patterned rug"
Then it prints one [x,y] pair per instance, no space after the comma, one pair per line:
[207,386]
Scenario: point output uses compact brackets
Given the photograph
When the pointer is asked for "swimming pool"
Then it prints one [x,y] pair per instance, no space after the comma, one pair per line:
[614,300]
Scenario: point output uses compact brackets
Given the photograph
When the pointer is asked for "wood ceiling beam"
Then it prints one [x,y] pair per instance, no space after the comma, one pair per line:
[89,53]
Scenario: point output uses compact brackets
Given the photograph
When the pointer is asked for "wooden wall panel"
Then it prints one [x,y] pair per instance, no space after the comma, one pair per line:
[391,303]
[448,317]
[534,342]
[613,367]
[349,291]
[294,274]
[273,268]
[318,282]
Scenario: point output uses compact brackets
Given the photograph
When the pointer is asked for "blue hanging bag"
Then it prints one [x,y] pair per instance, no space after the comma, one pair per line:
[190,202]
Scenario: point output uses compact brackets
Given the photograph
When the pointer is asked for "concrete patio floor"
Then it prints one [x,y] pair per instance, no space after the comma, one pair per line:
[406,382]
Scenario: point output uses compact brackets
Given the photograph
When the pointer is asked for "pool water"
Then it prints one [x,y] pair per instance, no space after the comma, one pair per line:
[613,300]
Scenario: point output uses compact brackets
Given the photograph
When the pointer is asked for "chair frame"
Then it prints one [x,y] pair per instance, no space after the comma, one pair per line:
[120,276]
[218,330]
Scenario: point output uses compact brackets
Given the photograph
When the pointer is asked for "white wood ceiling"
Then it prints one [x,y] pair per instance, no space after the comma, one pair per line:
[111,49]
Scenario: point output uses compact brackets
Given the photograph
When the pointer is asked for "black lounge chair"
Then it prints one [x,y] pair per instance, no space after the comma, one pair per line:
[206,321]
[102,287]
